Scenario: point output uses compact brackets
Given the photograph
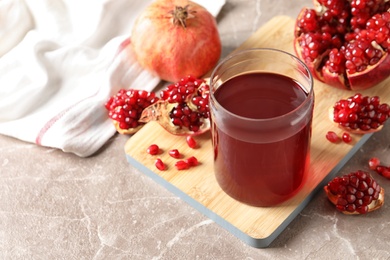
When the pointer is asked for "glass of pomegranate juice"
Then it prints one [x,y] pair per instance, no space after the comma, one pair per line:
[261,103]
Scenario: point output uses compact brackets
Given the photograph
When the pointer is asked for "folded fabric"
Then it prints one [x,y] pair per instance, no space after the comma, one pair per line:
[60,61]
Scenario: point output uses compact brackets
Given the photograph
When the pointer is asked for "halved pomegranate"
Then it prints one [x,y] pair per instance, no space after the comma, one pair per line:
[360,114]
[355,193]
[345,43]
[183,108]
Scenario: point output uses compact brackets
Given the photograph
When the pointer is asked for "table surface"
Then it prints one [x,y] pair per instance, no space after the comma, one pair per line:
[56,205]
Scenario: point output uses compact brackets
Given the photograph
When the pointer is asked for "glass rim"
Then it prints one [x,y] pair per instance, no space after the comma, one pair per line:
[308,98]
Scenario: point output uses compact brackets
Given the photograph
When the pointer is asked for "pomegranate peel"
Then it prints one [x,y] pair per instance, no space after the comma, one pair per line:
[355,193]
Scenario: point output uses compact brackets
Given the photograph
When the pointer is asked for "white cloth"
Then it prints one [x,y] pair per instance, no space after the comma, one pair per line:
[60,60]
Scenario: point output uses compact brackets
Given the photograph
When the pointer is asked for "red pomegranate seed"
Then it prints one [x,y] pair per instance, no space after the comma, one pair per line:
[346,137]
[332,137]
[182,165]
[386,173]
[192,161]
[153,149]
[383,170]
[191,141]
[380,168]
[373,163]
[160,164]
[175,153]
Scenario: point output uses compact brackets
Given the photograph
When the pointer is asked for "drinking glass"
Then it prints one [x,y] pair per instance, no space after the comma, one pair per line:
[261,104]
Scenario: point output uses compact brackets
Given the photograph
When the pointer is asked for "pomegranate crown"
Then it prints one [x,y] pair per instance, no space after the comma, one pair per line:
[180,15]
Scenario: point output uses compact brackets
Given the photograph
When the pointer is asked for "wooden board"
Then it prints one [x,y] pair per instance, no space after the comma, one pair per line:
[256,226]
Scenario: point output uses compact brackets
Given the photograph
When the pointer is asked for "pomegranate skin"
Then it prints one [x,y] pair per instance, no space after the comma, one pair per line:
[170,50]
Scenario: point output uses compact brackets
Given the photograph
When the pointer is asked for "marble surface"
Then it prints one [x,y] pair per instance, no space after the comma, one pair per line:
[55,205]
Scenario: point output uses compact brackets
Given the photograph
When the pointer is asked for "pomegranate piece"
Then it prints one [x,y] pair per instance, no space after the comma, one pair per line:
[360,114]
[355,193]
[160,164]
[345,43]
[153,149]
[126,106]
[183,108]
[332,137]
[182,165]
[191,142]
[174,153]
[192,161]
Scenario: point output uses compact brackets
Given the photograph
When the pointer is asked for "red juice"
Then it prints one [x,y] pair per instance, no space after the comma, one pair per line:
[254,164]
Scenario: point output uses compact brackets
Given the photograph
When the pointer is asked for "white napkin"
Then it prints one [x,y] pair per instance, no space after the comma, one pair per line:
[60,60]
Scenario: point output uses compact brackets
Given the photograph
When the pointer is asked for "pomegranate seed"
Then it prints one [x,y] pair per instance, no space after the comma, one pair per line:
[386,173]
[346,137]
[192,161]
[332,137]
[182,165]
[191,142]
[159,164]
[379,169]
[153,149]
[373,163]
[383,170]
[175,153]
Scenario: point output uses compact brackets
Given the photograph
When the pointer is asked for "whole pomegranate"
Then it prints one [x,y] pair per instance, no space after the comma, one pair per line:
[175,38]
[345,43]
